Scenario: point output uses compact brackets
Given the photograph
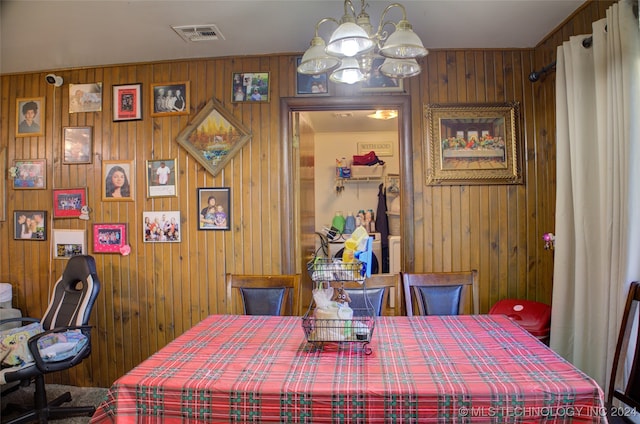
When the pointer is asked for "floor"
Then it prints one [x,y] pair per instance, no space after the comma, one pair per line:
[79,396]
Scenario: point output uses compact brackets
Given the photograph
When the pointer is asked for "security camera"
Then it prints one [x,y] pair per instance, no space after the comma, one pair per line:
[54,80]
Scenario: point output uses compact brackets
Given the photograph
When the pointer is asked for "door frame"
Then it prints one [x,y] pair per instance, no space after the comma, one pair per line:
[291,255]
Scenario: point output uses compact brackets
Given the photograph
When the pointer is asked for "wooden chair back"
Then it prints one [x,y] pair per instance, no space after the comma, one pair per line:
[253,294]
[441,293]
[629,394]
[382,291]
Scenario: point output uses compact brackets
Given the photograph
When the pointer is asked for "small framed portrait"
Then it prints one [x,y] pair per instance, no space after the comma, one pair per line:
[117,180]
[161,227]
[30,117]
[250,87]
[311,85]
[29,174]
[69,243]
[170,98]
[162,178]
[30,225]
[377,82]
[78,145]
[68,202]
[127,102]
[214,205]
[85,97]
[109,238]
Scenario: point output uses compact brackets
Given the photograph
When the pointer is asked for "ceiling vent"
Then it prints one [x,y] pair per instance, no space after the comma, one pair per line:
[193,33]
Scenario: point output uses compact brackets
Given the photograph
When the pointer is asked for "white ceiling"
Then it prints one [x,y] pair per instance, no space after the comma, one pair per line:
[54,34]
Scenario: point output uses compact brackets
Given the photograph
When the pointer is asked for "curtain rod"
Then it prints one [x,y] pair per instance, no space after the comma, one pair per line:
[534,76]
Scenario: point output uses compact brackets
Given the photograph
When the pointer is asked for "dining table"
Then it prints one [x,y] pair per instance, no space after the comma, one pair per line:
[419,369]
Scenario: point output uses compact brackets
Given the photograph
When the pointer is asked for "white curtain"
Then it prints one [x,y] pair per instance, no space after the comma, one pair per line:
[597,246]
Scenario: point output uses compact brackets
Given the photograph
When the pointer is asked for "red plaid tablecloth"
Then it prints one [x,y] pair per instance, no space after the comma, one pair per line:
[481,368]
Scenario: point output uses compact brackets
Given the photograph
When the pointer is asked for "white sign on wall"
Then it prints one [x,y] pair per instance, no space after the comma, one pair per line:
[382,148]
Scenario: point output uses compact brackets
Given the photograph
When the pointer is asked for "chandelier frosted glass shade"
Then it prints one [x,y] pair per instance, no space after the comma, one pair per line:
[403,43]
[349,72]
[400,68]
[316,60]
[349,40]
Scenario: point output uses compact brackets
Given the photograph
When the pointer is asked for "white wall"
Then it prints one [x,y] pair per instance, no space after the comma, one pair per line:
[356,194]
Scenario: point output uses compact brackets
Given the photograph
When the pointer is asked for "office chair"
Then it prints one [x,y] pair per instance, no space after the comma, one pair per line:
[64,342]
[382,292]
[440,293]
[263,294]
[629,394]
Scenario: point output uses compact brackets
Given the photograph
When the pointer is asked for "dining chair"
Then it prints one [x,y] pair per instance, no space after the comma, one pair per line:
[253,294]
[629,393]
[381,291]
[440,293]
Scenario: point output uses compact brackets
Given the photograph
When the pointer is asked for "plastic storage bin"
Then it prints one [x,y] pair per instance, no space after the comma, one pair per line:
[535,317]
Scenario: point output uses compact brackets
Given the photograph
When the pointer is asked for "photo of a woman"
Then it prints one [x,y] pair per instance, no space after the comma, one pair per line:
[118,180]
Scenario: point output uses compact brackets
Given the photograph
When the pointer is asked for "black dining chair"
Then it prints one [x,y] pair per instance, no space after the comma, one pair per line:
[381,291]
[254,294]
[627,393]
[441,293]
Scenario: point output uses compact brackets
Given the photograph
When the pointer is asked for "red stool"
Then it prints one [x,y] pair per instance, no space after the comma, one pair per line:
[535,317]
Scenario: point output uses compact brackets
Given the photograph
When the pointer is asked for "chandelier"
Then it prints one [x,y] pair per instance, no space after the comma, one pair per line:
[353,46]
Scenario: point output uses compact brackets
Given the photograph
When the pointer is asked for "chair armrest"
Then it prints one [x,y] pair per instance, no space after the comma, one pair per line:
[15,319]
[51,366]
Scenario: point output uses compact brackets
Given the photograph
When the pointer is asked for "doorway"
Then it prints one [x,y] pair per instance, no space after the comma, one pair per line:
[298,232]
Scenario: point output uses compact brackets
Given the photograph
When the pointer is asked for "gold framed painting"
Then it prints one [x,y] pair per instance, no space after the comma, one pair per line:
[473,144]
[214,136]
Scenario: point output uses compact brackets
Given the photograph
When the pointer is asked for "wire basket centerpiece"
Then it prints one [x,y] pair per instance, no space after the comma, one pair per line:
[329,318]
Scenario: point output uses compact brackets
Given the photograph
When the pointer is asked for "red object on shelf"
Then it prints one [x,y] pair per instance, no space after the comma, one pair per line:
[535,317]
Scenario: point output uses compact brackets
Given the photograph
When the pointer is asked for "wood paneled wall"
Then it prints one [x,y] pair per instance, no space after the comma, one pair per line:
[153,295]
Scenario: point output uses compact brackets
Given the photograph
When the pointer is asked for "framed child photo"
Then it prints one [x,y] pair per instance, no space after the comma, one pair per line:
[77,145]
[69,243]
[214,205]
[30,116]
[377,82]
[311,85]
[161,227]
[30,225]
[68,202]
[29,174]
[109,238]
[162,178]
[127,102]
[117,180]
[250,87]
[85,97]
[171,98]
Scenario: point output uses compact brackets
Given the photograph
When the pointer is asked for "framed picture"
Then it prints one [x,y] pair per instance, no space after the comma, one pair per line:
[69,243]
[377,82]
[29,174]
[473,144]
[162,176]
[169,99]
[30,117]
[213,137]
[117,180]
[78,145]
[161,227]
[67,202]
[85,97]
[214,205]
[109,238]
[250,87]
[30,225]
[127,102]
[311,84]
